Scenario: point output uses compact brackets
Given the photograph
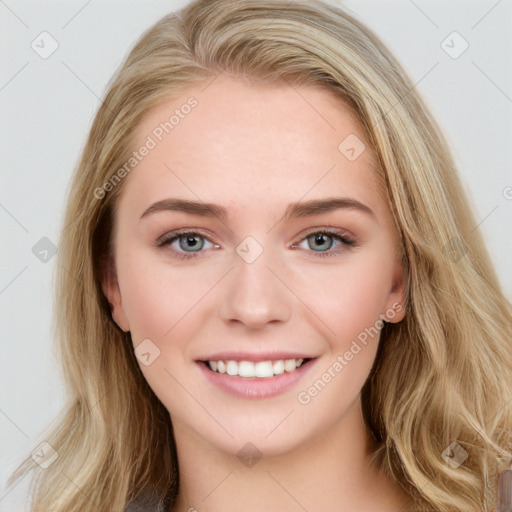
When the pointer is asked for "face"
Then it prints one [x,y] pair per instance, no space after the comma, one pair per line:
[253,238]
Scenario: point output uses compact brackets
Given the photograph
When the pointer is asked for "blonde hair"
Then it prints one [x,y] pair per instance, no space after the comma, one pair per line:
[440,376]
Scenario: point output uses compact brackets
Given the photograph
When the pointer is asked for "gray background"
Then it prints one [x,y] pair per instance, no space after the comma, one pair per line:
[48,105]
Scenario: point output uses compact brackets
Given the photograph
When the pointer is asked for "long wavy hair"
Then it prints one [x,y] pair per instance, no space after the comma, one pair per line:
[441,376]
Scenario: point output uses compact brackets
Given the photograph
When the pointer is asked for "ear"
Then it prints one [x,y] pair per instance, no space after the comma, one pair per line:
[395,302]
[110,287]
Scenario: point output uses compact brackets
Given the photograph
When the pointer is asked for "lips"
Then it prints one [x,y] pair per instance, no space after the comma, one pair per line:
[253,376]
[257,369]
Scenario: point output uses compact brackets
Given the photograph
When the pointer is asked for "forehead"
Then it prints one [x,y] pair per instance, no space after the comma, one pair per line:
[242,141]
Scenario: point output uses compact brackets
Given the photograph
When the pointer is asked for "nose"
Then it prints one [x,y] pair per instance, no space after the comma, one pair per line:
[255,294]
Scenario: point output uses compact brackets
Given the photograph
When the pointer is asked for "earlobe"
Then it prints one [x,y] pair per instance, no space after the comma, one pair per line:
[395,304]
[110,287]
[395,313]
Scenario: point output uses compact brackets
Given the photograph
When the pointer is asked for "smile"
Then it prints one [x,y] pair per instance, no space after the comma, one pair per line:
[252,376]
[260,369]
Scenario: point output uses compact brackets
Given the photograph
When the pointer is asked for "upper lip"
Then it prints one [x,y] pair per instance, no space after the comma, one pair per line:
[252,356]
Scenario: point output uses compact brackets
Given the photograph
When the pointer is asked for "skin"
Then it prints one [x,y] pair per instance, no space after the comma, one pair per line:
[254,150]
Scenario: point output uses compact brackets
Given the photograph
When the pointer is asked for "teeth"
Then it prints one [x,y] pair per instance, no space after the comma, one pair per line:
[290,365]
[264,369]
[232,368]
[246,369]
[261,369]
[221,366]
[278,367]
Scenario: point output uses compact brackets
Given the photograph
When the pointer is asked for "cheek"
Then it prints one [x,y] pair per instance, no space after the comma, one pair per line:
[157,297]
[165,305]
[350,305]
[346,298]
[362,296]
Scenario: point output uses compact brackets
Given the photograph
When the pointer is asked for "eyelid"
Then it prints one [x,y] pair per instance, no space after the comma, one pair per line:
[344,237]
[346,241]
[328,230]
[170,235]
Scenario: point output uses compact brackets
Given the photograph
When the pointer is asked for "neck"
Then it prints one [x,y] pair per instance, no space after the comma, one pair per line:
[331,472]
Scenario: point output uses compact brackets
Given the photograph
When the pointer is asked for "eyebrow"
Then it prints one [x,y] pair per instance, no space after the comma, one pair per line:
[294,210]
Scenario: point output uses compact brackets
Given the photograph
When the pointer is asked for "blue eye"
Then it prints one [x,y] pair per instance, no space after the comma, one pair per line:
[188,243]
[195,243]
[321,242]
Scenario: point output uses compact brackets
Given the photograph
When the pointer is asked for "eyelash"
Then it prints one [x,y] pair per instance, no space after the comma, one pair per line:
[341,236]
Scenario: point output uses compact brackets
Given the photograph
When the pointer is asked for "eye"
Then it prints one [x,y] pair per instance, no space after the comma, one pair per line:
[189,244]
[321,242]
[185,243]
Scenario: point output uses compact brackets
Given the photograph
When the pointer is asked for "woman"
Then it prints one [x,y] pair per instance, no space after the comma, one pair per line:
[273,295]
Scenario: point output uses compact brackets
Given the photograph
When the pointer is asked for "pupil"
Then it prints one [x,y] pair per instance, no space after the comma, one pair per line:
[321,240]
[190,242]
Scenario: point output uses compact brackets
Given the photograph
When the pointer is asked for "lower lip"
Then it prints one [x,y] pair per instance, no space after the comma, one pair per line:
[253,388]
